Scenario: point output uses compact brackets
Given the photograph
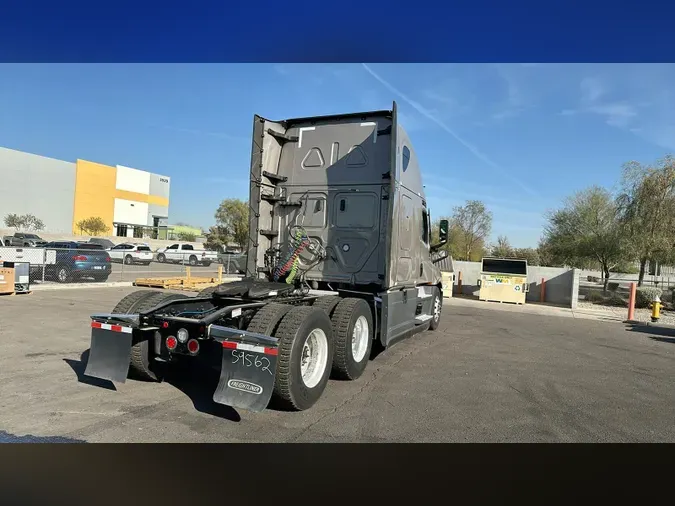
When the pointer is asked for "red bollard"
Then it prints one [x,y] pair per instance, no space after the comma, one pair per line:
[543,290]
[631,302]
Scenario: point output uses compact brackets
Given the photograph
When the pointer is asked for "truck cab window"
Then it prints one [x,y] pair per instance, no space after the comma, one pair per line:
[425,226]
[406,157]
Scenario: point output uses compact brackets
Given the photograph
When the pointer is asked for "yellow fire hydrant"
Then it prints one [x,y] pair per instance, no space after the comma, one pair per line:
[656,308]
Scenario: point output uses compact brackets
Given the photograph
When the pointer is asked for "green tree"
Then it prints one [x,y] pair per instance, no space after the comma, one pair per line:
[32,222]
[231,225]
[647,205]
[93,225]
[24,221]
[472,223]
[529,254]
[13,221]
[587,228]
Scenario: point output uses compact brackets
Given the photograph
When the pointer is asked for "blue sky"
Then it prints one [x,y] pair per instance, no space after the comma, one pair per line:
[520,137]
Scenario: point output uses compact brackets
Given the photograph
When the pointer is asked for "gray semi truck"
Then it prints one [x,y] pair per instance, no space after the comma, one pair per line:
[336,203]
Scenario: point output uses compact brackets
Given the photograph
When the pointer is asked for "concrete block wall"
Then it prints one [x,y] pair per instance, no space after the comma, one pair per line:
[562,285]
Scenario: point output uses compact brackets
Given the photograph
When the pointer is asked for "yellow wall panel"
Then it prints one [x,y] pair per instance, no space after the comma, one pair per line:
[141,197]
[94,192]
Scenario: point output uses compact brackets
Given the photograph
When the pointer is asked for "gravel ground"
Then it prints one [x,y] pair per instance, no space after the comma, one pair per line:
[643,315]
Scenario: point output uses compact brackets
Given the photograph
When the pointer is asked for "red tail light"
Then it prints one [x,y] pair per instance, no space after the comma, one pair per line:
[165,325]
[171,343]
[79,258]
[107,259]
[193,346]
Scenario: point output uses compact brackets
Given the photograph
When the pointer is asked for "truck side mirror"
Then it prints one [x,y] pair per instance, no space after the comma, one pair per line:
[443,231]
[442,235]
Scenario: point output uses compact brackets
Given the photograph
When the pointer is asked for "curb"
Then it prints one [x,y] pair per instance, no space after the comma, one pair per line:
[657,325]
[71,286]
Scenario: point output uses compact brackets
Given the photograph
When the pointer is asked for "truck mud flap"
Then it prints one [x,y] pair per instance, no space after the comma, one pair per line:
[246,375]
[110,352]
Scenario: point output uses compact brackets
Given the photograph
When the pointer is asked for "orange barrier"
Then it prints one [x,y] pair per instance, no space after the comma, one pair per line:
[631,302]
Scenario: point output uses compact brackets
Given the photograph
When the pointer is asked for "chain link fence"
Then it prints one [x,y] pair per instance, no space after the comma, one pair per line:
[72,262]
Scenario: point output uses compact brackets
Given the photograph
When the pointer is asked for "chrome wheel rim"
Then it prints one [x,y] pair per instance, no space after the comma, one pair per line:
[314,358]
[360,337]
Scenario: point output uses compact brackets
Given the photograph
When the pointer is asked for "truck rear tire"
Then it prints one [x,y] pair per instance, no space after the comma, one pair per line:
[352,322]
[140,365]
[129,304]
[436,309]
[305,357]
[267,319]
[327,303]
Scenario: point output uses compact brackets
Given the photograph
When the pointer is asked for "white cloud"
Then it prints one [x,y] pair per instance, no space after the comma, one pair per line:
[427,114]
[616,113]
[591,89]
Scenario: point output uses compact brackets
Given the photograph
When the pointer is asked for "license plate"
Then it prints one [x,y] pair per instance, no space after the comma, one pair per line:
[98,267]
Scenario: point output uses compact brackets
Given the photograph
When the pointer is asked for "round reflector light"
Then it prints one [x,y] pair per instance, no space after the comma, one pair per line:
[165,325]
[171,343]
[193,346]
[182,335]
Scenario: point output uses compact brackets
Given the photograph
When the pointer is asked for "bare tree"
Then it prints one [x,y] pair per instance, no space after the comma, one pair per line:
[502,249]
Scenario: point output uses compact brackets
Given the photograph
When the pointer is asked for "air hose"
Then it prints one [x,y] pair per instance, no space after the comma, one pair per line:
[297,242]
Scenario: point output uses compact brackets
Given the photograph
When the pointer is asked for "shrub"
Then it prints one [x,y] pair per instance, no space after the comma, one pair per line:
[617,300]
[594,297]
[186,236]
[645,295]
[93,225]
[612,287]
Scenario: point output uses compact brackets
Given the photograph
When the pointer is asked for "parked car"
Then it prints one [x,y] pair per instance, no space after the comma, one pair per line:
[106,243]
[75,260]
[25,240]
[131,253]
[186,254]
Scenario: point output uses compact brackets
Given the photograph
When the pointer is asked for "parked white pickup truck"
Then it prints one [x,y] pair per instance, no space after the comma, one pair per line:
[186,254]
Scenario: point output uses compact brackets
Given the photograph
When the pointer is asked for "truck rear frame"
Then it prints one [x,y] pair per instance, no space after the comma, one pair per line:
[364,233]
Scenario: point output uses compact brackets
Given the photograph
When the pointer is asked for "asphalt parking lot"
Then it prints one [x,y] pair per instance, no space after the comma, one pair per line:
[484,376]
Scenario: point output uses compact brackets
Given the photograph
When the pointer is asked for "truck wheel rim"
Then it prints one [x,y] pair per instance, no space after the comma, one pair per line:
[360,338]
[437,308]
[314,358]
